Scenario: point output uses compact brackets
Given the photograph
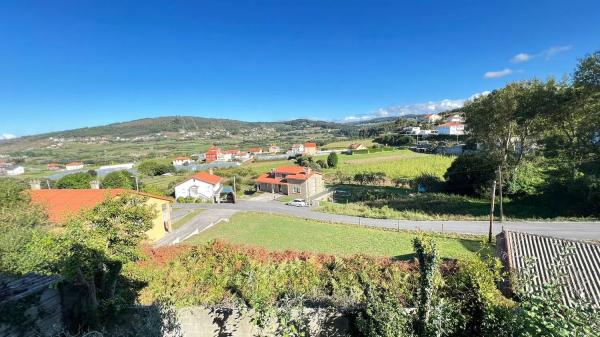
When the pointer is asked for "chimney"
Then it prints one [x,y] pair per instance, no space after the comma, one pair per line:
[35,185]
[95,184]
[210,171]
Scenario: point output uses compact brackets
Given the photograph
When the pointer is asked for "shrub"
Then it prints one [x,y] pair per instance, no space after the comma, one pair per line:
[322,164]
[155,167]
[119,179]
[332,159]
[428,181]
[471,174]
[76,180]
[382,315]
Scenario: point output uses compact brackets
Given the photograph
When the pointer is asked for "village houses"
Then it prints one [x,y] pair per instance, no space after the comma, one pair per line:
[203,185]
[356,146]
[179,161]
[74,166]
[296,149]
[296,181]
[432,118]
[255,150]
[274,149]
[451,128]
[12,170]
[53,166]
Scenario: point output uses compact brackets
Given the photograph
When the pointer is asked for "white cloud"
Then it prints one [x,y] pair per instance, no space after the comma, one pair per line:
[497,74]
[546,53]
[6,136]
[552,51]
[413,109]
[521,57]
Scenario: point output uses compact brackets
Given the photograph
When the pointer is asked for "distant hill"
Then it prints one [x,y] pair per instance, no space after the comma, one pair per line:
[183,127]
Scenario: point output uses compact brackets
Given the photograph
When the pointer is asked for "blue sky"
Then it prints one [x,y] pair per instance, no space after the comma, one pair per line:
[83,63]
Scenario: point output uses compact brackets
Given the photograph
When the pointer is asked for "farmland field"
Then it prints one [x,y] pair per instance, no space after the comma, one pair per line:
[279,233]
[343,144]
[399,163]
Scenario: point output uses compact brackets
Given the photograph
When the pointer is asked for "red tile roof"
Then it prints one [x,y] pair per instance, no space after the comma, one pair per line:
[451,124]
[255,149]
[267,179]
[310,144]
[233,151]
[182,158]
[62,203]
[207,178]
[300,176]
[291,169]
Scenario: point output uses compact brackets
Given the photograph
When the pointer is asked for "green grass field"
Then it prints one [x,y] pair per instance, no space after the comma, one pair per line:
[399,163]
[278,233]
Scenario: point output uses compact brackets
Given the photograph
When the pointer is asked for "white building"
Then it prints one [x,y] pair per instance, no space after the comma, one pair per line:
[296,150]
[274,149]
[127,166]
[179,161]
[13,170]
[224,156]
[455,119]
[451,129]
[202,185]
[411,130]
[74,166]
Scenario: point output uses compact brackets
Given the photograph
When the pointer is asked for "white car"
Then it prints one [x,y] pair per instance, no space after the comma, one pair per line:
[298,203]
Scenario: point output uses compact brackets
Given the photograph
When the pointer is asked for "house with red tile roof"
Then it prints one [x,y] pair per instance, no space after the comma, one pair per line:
[297,181]
[74,166]
[53,166]
[202,185]
[255,150]
[61,204]
[310,149]
[212,154]
[182,160]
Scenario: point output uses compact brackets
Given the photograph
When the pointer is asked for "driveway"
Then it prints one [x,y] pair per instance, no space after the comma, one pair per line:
[566,230]
[196,225]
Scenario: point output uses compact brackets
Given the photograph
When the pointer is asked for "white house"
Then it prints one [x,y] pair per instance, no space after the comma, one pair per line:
[225,156]
[202,185]
[179,161]
[126,166]
[13,170]
[74,166]
[412,130]
[451,129]
[296,150]
[455,119]
[274,149]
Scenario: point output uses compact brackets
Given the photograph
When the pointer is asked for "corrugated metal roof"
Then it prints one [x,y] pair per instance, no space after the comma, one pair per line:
[13,288]
[582,263]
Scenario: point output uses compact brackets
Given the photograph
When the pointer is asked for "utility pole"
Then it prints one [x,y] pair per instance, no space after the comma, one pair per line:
[137,184]
[492,211]
[234,184]
[500,190]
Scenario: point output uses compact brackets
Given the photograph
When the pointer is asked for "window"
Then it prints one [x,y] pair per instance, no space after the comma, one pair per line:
[193,191]
[295,189]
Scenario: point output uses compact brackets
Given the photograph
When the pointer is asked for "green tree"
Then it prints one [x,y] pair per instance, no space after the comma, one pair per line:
[471,174]
[332,159]
[76,180]
[119,179]
[155,167]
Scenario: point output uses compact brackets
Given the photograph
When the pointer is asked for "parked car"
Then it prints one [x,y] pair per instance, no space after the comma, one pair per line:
[298,203]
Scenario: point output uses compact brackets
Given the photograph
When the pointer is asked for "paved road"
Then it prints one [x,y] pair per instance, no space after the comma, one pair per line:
[196,225]
[567,230]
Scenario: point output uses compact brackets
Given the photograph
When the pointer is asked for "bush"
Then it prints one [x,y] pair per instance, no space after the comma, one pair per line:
[155,167]
[471,174]
[382,315]
[394,140]
[332,159]
[119,179]
[428,181]
[76,180]
[322,164]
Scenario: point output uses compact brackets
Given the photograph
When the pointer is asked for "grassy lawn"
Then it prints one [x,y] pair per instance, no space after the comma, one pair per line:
[399,163]
[184,219]
[278,233]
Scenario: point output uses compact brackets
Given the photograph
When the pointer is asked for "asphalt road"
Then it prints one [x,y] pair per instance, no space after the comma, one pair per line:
[196,225]
[566,230]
